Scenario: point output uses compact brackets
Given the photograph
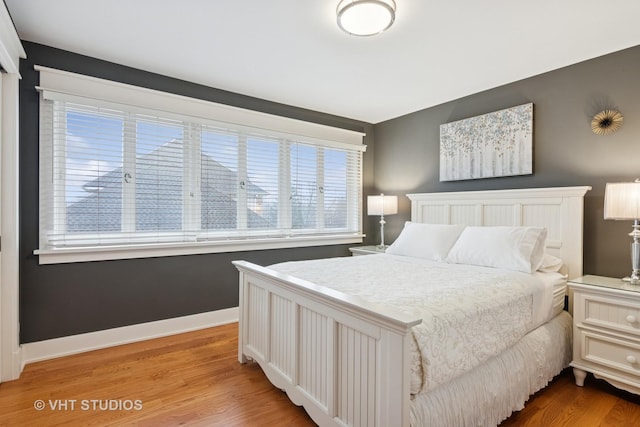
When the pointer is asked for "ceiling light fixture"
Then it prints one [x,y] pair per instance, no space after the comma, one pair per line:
[365,17]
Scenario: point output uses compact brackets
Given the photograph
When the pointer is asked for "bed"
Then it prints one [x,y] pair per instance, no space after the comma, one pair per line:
[350,359]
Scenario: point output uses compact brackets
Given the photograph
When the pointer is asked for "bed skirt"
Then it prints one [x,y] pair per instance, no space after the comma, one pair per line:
[491,392]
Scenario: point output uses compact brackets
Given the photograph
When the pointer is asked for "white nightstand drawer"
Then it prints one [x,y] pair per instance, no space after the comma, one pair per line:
[605,351]
[606,331]
[606,312]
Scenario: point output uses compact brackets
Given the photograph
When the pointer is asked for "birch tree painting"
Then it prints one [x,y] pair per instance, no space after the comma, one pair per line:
[488,146]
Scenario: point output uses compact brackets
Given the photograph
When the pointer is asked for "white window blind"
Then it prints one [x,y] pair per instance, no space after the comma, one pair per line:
[114,176]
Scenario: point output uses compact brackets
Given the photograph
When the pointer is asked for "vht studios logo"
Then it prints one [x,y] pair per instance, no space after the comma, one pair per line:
[88,405]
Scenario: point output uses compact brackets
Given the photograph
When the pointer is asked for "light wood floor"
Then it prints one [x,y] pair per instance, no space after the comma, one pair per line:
[194,379]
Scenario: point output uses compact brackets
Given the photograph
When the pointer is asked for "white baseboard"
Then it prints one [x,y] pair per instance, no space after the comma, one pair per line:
[58,347]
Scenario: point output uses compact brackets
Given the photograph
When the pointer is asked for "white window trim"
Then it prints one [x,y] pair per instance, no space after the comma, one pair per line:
[65,86]
[104,253]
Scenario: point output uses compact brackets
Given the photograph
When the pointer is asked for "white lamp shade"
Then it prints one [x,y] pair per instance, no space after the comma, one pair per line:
[382,205]
[622,200]
[365,17]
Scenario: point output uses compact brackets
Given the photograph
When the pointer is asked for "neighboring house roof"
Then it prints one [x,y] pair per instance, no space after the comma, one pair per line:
[101,209]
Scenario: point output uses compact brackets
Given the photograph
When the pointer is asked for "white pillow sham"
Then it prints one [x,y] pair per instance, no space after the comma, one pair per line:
[427,241]
[509,248]
[550,264]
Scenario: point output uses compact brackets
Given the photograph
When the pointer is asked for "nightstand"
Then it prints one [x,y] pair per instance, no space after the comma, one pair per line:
[606,331]
[366,250]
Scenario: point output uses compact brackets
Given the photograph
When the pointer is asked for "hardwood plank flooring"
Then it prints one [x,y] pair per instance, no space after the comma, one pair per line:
[188,379]
[195,379]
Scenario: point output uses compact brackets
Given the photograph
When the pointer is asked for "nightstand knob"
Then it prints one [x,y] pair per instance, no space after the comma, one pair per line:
[631,318]
[631,360]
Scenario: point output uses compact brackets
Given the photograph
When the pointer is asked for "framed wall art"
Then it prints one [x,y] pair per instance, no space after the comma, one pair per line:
[488,146]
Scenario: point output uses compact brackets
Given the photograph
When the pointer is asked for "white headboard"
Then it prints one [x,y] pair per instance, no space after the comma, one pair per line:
[559,209]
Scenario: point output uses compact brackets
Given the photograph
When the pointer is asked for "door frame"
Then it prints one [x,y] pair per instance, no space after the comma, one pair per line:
[11,51]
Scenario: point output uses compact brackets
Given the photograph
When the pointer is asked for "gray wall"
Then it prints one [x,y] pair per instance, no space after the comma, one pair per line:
[66,299]
[566,152]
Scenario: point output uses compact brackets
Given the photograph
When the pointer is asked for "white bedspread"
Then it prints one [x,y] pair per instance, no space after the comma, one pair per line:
[469,313]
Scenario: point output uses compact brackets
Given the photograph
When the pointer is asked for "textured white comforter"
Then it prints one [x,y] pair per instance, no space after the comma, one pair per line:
[469,313]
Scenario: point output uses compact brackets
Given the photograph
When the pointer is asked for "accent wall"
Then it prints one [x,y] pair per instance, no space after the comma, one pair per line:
[566,151]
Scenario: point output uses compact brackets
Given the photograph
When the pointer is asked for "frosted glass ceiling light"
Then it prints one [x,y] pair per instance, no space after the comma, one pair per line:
[365,17]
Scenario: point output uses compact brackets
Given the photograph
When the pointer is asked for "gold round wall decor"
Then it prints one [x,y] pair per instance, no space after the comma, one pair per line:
[606,122]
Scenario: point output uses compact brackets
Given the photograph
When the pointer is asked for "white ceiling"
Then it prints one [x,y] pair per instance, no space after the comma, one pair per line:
[292,52]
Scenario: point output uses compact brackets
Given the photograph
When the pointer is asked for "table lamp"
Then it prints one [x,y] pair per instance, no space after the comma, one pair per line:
[622,202]
[382,205]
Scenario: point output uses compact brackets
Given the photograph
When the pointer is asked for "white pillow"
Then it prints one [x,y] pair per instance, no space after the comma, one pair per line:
[550,264]
[510,248]
[428,241]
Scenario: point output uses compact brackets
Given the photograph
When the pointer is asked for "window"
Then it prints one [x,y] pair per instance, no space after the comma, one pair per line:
[116,177]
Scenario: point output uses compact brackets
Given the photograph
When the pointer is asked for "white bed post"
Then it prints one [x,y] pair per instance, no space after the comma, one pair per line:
[394,407]
[242,325]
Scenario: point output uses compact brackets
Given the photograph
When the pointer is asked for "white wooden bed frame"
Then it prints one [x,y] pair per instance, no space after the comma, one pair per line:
[346,361]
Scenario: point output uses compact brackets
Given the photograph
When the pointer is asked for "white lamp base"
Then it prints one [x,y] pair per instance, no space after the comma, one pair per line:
[382,223]
[634,278]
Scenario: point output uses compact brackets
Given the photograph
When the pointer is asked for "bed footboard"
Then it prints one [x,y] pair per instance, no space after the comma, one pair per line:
[344,360]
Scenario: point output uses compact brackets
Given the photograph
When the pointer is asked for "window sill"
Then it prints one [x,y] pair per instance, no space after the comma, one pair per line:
[105,253]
